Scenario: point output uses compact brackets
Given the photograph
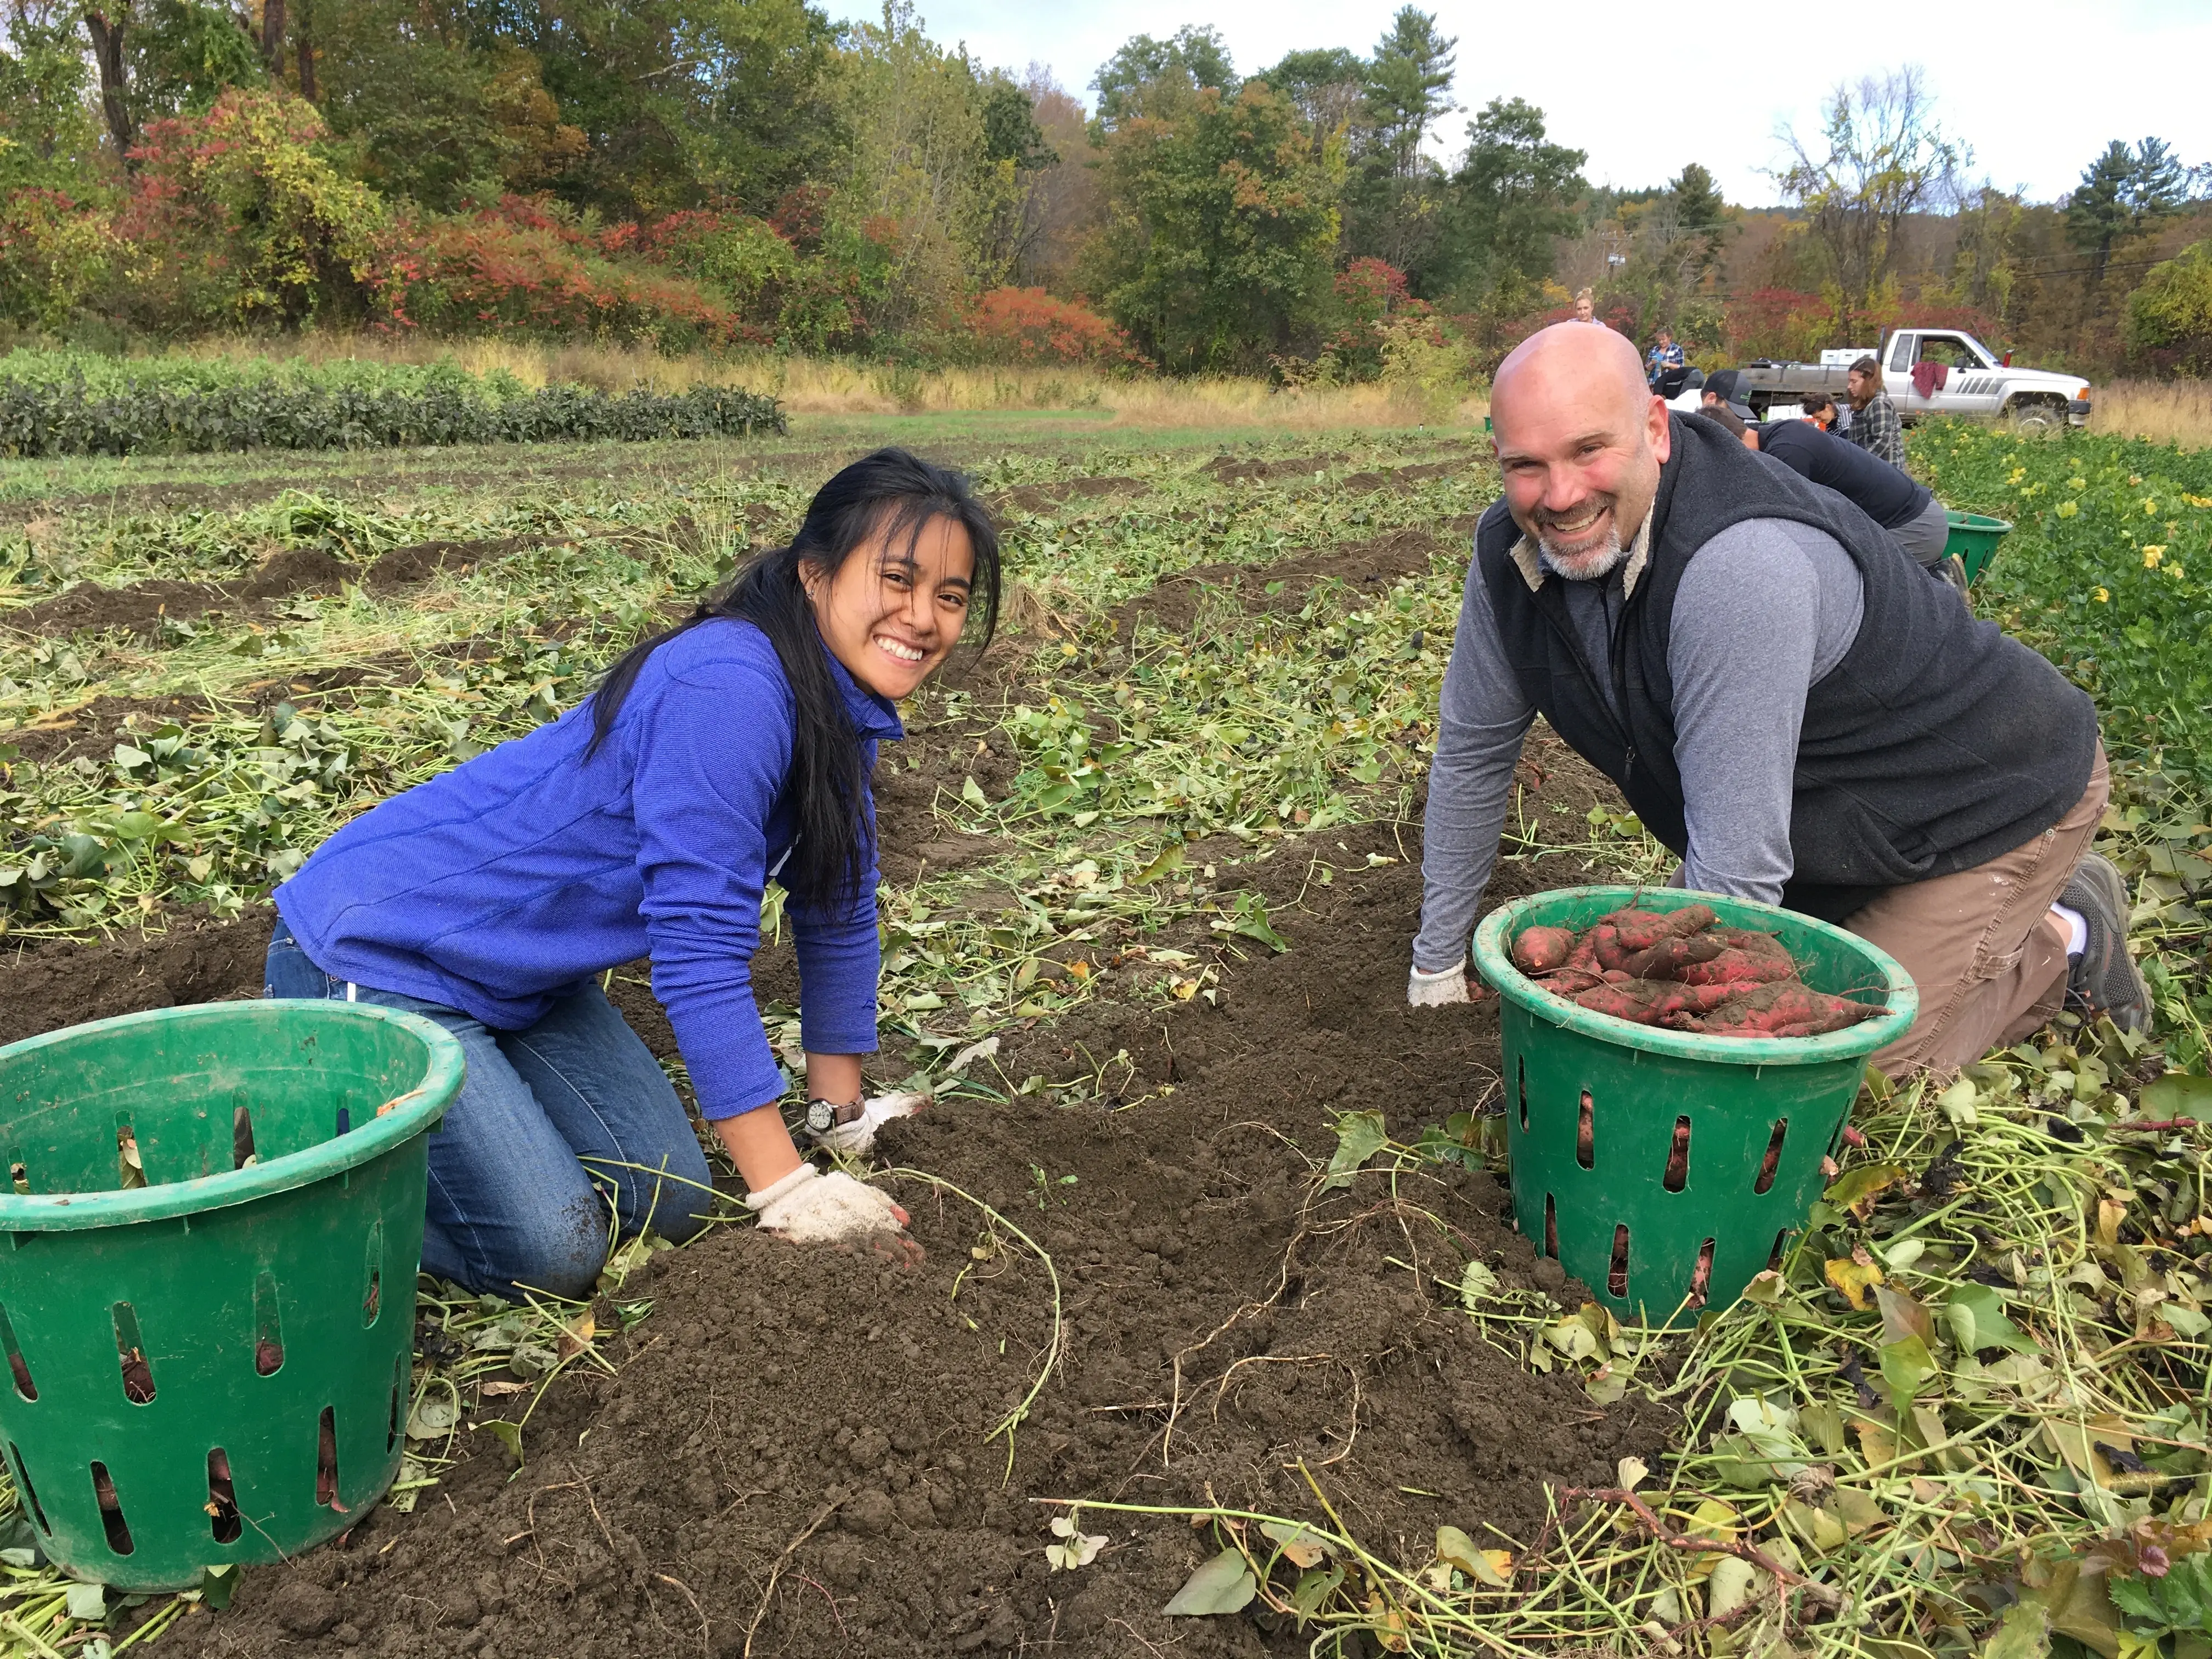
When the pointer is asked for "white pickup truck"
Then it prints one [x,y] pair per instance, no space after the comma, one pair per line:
[1974,381]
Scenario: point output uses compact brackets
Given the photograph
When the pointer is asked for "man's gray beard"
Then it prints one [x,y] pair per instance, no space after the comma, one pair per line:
[1609,560]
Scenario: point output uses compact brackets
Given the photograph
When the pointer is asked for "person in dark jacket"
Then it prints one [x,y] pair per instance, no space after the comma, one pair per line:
[1890,496]
[732,751]
[1785,700]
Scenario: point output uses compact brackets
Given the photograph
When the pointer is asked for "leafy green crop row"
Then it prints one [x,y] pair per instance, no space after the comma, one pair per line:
[54,406]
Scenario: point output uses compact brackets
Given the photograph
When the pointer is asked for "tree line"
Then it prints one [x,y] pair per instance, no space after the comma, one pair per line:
[720,172]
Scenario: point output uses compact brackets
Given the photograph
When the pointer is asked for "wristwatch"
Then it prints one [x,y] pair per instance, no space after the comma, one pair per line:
[824,1115]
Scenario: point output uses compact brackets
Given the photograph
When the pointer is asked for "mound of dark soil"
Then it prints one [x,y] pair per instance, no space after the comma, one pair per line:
[1174,602]
[193,958]
[795,1456]
[142,605]
[1230,469]
[420,560]
[1039,498]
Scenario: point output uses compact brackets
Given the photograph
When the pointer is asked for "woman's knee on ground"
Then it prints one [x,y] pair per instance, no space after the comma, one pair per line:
[559,1249]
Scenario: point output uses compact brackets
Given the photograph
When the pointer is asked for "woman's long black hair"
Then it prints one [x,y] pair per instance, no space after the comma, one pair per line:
[891,495]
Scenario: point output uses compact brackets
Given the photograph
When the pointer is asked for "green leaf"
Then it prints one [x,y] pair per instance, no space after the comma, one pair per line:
[433,1415]
[1360,1136]
[508,1435]
[972,793]
[1315,1588]
[1168,859]
[218,1585]
[2024,1633]
[1225,1584]
[1978,1320]
[1907,1367]
[2178,1094]
[1477,1283]
[87,1601]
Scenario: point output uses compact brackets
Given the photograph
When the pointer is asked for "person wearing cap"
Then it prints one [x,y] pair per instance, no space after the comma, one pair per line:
[1875,427]
[1724,388]
[1890,496]
[1785,701]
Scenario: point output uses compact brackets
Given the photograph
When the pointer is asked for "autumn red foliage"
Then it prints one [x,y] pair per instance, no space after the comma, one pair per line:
[1028,325]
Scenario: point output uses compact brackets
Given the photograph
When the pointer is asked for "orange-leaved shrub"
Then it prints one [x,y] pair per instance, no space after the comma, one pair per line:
[1029,325]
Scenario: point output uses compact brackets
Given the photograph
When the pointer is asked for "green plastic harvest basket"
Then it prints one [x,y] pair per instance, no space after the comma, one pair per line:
[211,1367]
[1974,540]
[1665,1170]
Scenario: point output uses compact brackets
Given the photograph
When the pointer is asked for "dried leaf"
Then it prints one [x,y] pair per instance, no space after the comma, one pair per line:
[1734,1581]
[1857,1190]
[1903,1316]
[1478,1283]
[1853,1278]
[1631,1472]
[1300,1547]
[1490,1567]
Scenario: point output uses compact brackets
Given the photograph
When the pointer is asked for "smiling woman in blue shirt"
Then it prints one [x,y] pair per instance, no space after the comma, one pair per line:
[732,749]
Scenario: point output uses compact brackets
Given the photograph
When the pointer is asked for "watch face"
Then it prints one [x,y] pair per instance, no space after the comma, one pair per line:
[820,1115]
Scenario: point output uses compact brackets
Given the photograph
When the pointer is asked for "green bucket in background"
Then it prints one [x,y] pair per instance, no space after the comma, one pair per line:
[211,1367]
[1974,540]
[1665,1170]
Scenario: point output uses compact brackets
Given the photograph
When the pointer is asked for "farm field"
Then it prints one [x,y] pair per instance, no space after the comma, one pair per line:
[1218,1270]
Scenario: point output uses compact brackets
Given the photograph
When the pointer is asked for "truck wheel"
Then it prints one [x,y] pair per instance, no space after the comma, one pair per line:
[2038,415]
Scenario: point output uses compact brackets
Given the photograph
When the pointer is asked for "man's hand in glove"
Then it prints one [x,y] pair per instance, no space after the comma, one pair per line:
[853,1135]
[809,1207]
[1434,990]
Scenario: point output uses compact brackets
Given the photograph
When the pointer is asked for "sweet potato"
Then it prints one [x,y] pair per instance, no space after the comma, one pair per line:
[1667,959]
[1783,1007]
[1543,950]
[1567,981]
[1732,966]
[1651,1001]
[1639,930]
[1605,940]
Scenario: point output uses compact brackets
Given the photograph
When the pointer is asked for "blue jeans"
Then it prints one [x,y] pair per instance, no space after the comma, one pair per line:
[527,1171]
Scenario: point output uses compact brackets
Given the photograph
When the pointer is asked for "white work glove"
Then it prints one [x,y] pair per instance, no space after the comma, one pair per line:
[857,1135]
[1434,990]
[809,1207]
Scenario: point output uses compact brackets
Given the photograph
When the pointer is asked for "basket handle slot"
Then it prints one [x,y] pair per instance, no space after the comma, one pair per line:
[222,1498]
[1678,1157]
[242,1136]
[1774,1255]
[130,1166]
[345,1120]
[1701,1280]
[130,1352]
[30,1491]
[1521,1076]
[1551,1228]
[1586,1135]
[18,1367]
[19,1173]
[111,1510]
[398,1381]
[268,1326]
[1773,1158]
[326,1461]
[1616,1278]
[372,1301]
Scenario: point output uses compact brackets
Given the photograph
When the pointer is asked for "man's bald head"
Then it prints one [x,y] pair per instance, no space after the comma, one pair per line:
[1567,361]
[1580,439]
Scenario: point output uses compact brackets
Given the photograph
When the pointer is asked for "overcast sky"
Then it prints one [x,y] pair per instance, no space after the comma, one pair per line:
[2036,86]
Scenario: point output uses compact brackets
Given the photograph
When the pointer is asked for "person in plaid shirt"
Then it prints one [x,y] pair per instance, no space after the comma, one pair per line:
[1874,425]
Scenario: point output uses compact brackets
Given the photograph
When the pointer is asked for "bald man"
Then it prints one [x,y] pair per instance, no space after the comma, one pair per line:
[1785,699]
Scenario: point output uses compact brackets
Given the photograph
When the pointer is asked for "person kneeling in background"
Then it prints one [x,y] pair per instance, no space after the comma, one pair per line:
[731,750]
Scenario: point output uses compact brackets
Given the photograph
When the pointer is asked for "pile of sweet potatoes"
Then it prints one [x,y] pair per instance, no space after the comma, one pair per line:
[1681,969]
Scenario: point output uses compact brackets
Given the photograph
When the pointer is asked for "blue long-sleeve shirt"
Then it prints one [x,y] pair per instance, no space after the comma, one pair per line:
[512,879]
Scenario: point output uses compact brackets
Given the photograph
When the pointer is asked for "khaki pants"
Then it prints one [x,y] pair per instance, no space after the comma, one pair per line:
[1982,946]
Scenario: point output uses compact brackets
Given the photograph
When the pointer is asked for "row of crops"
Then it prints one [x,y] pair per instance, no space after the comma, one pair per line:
[55,404]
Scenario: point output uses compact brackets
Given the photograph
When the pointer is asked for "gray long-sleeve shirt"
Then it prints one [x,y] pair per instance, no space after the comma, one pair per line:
[1765,610]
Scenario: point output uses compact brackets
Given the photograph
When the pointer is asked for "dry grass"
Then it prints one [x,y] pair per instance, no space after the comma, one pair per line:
[2164,411]
[811,386]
